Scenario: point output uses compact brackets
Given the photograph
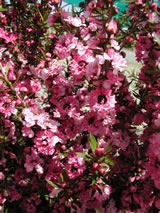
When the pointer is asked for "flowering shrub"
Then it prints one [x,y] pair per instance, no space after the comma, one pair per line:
[68,121]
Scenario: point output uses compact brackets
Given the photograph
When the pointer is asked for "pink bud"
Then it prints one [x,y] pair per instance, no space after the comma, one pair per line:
[63,185]
[100,4]
[2,177]
[115,8]
[63,147]
[153,6]
[129,39]
[95,165]
[102,171]
[99,151]
[55,1]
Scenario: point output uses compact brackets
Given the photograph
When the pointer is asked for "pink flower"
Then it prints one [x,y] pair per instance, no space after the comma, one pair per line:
[2,176]
[13,194]
[8,37]
[142,48]
[33,161]
[93,69]
[155,144]
[77,71]
[35,115]
[54,192]
[75,165]
[105,193]
[118,62]
[52,18]
[74,21]
[35,86]
[102,101]
[45,142]
[111,27]
[7,106]
[65,45]
[157,204]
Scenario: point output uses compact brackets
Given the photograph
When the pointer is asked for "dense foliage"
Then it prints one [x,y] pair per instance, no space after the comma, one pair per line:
[69,139]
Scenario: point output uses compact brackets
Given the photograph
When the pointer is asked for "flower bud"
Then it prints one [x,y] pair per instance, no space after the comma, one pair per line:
[95,165]
[63,185]
[102,171]
[129,39]
[55,2]
[63,147]
[153,6]
[99,151]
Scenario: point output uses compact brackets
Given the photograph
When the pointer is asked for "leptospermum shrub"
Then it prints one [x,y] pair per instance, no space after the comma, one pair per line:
[68,121]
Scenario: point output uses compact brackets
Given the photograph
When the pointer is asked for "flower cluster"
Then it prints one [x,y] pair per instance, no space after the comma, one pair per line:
[68,121]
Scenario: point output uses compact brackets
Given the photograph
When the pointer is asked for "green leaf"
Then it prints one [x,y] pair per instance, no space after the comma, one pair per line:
[40,15]
[3,9]
[82,155]
[108,147]
[61,176]
[97,211]
[109,161]
[53,184]
[7,69]
[92,142]
[128,1]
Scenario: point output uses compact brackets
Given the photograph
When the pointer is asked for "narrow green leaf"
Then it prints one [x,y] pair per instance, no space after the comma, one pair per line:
[7,69]
[61,176]
[40,15]
[109,161]
[43,53]
[53,184]
[108,147]
[92,142]
[82,155]
[128,1]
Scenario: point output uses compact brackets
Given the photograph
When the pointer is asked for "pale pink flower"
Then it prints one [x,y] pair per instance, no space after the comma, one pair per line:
[118,62]
[111,27]
[65,45]
[54,192]
[75,21]
[93,69]
[33,161]
[75,165]
[45,142]
[2,176]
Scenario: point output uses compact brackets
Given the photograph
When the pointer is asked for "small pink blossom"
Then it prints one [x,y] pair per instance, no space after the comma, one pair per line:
[2,176]
[45,142]
[74,21]
[65,45]
[93,68]
[75,165]
[111,27]
[33,161]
